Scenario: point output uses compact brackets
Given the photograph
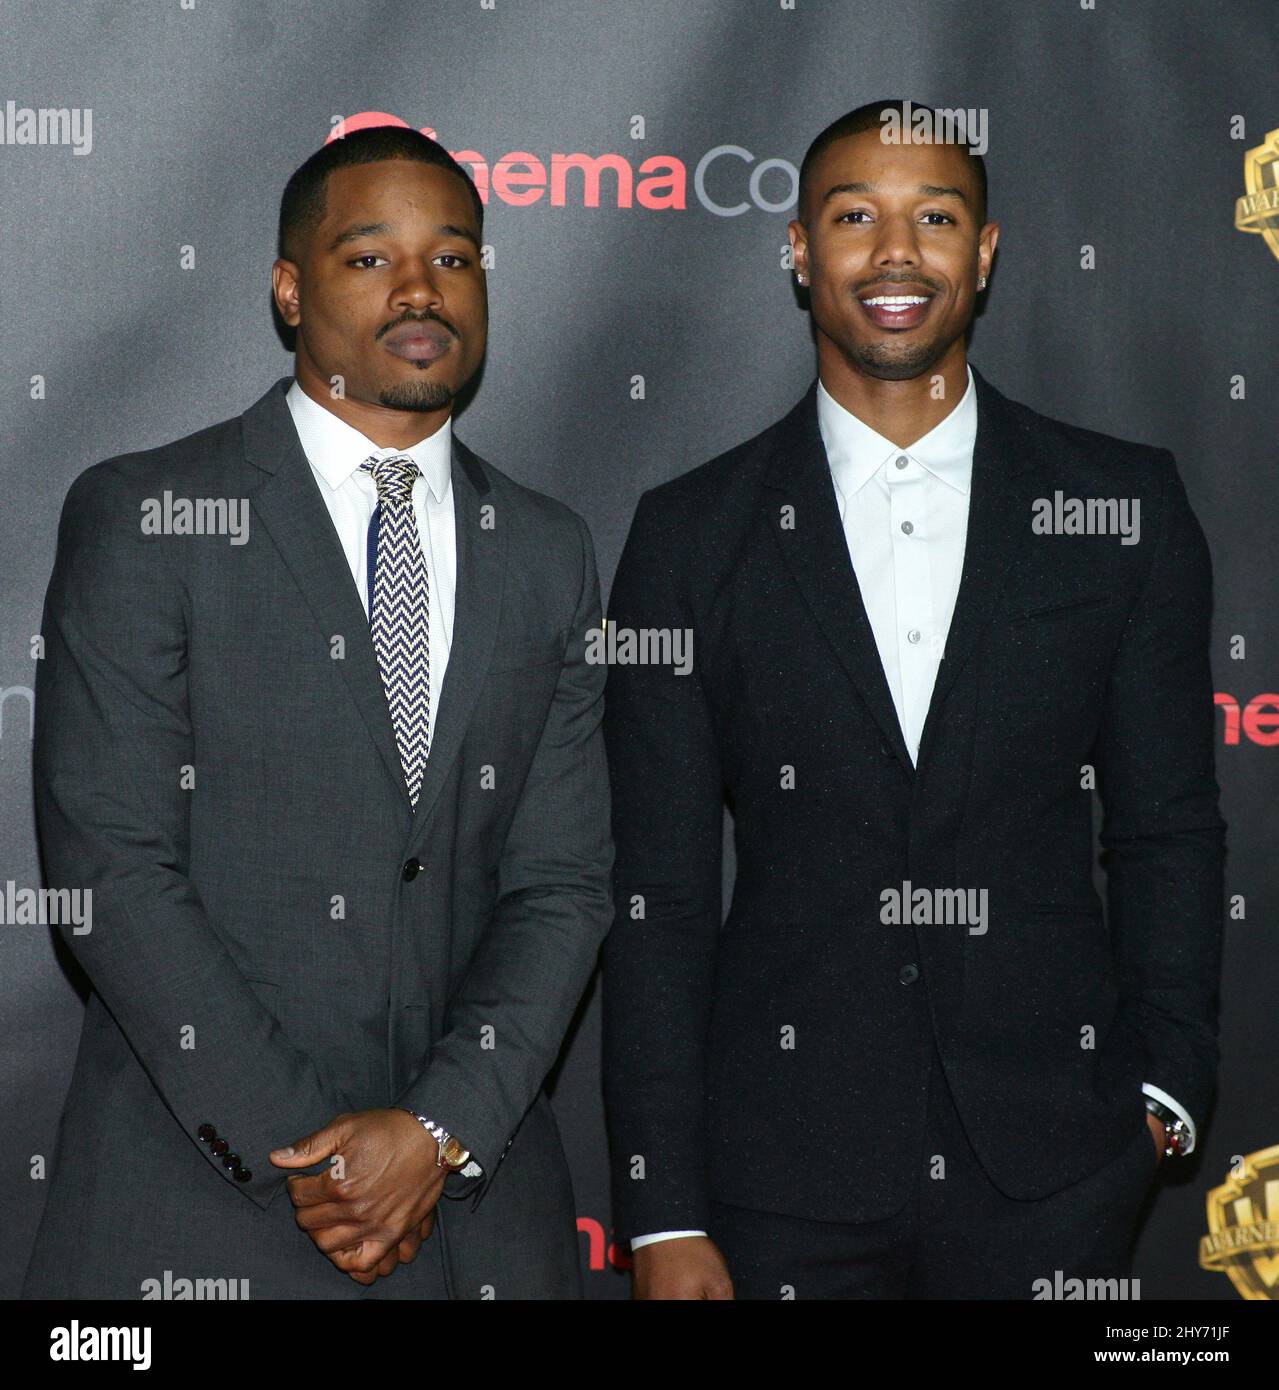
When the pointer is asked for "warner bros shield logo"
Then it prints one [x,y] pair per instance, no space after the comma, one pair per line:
[1258,209]
[1243,1227]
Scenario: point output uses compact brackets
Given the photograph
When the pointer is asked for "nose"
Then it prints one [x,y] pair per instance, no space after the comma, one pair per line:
[896,243]
[417,288]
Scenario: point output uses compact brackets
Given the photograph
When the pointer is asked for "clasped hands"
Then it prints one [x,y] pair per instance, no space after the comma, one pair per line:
[372,1211]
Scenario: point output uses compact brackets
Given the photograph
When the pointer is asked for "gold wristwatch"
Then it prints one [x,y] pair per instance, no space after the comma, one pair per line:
[452,1153]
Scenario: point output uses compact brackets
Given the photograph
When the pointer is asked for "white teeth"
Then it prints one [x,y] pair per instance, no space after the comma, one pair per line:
[897,301]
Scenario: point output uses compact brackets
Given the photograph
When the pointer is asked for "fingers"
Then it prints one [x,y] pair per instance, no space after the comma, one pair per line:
[337,1239]
[326,1215]
[428,1224]
[408,1247]
[310,1188]
[364,1258]
[311,1148]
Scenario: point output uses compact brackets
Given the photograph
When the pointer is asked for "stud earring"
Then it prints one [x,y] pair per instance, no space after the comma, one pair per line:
[801,277]
[981,282]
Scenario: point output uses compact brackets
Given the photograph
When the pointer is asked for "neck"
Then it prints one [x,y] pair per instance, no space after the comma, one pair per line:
[387,428]
[902,411]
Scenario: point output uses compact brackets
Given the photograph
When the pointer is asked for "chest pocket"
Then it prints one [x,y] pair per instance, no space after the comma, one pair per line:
[540,651]
[1030,609]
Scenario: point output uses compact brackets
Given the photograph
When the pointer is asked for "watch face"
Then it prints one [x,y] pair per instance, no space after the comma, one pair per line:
[453,1150]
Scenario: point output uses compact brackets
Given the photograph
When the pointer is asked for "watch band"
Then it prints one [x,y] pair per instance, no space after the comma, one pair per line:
[1176,1131]
[450,1152]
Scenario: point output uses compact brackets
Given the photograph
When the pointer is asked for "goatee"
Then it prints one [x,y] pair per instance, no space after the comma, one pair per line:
[416,395]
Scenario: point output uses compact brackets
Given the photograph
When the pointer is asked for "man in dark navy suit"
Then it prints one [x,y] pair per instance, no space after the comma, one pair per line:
[916,1059]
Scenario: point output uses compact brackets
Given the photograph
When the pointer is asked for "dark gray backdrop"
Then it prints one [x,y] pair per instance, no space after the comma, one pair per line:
[1110,127]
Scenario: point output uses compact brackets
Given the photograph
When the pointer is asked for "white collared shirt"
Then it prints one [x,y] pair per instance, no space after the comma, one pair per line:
[905,516]
[335,451]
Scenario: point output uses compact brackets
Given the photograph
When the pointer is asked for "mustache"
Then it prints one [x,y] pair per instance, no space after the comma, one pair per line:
[415,318]
[908,278]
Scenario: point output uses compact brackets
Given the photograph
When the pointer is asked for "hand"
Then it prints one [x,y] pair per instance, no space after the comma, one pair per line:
[682,1267]
[404,1253]
[376,1215]
[1156,1127]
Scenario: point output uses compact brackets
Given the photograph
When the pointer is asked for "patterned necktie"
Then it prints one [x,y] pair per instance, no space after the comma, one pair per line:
[399,614]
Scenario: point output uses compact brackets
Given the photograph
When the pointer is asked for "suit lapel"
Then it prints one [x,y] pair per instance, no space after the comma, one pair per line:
[812,542]
[293,513]
[998,520]
[482,533]
[816,551]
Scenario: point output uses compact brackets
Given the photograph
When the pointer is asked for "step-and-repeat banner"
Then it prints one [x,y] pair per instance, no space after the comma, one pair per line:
[639,164]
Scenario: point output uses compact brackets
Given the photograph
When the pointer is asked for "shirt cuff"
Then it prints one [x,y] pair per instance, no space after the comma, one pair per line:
[637,1241]
[1165,1099]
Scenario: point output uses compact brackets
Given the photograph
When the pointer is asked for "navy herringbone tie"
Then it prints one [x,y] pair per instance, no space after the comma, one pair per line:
[399,614]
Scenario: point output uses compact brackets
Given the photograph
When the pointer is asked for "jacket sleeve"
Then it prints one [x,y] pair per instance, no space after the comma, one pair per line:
[1163,838]
[508,1021]
[114,750]
[659,960]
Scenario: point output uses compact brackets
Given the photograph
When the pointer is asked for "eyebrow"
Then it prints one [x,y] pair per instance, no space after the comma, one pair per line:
[367,229]
[927,190]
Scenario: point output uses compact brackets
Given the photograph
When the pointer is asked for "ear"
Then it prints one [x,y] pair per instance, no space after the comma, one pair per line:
[286,290]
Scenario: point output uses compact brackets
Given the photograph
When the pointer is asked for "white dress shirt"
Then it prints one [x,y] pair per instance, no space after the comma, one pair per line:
[905,518]
[905,515]
[335,451]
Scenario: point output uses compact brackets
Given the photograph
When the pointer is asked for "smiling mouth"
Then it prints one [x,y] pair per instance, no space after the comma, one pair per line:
[896,311]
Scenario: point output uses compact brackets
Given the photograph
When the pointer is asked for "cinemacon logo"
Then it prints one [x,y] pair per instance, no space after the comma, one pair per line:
[1258,719]
[727,180]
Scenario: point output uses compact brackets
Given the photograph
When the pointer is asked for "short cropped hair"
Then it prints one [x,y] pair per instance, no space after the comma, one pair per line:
[871,117]
[302,206]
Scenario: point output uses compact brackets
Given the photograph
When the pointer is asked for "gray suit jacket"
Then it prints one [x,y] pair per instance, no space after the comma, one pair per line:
[214,758]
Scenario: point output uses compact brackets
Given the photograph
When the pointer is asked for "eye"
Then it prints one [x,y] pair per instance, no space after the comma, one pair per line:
[856,212]
[370,256]
[458,261]
[941,215]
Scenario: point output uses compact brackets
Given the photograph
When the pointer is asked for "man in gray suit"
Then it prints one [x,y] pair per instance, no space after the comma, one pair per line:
[316,726]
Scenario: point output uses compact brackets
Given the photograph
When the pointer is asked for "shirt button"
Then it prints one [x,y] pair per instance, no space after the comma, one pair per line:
[411,868]
[913,635]
[901,460]
[908,527]
[908,974]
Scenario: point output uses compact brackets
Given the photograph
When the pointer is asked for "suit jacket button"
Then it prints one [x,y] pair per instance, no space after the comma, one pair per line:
[231,1162]
[219,1147]
[206,1133]
[908,974]
[242,1175]
[411,868]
